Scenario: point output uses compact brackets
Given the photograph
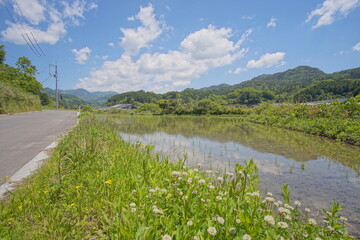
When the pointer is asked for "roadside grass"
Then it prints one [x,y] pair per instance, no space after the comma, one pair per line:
[13,100]
[97,186]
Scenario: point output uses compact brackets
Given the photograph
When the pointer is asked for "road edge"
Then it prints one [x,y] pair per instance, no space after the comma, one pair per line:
[30,167]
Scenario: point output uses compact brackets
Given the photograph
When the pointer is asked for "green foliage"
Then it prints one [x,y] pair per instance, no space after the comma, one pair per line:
[86,108]
[65,100]
[13,100]
[133,97]
[2,54]
[98,186]
[329,89]
[150,107]
[338,120]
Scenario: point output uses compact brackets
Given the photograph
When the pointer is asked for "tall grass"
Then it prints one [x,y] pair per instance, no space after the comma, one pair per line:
[13,100]
[97,186]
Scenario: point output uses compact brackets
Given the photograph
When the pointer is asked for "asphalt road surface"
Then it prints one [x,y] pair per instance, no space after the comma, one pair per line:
[23,136]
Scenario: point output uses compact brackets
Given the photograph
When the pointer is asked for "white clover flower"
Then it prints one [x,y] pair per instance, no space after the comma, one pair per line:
[279,202]
[203,200]
[283,210]
[157,211]
[132,204]
[247,237]
[269,194]
[133,191]
[317,238]
[282,224]
[166,237]
[270,199]
[152,191]
[241,173]
[232,230]
[176,173]
[330,228]
[220,220]
[312,221]
[288,206]
[133,210]
[212,231]
[297,203]
[238,221]
[220,180]
[196,170]
[209,171]
[189,181]
[186,198]
[211,187]
[189,223]
[229,174]
[288,217]
[164,190]
[196,238]
[219,198]
[269,220]
[180,178]
[255,194]
[343,219]
[157,189]
[154,206]
[185,174]
[307,210]
[276,204]
[201,182]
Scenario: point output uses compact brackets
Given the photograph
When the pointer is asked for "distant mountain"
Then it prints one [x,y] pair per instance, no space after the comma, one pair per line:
[97,98]
[288,81]
[66,100]
[223,85]
[91,97]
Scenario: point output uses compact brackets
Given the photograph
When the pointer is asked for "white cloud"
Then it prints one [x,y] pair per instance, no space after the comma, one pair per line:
[272,22]
[51,35]
[136,39]
[356,47]
[238,70]
[81,55]
[46,20]
[111,44]
[330,10]
[267,60]
[32,10]
[199,52]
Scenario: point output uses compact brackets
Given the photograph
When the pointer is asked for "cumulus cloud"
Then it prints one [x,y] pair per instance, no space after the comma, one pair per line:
[136,39]
[267,60]
[32,10]
[330,10]
[272,22]
[47,21]
[198,52]
[81,55]
[356,47]
[237,70]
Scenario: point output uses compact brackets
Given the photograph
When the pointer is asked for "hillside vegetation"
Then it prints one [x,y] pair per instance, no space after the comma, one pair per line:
[301,84]
[19,89]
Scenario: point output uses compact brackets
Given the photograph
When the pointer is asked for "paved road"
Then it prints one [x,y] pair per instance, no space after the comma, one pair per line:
[23,136]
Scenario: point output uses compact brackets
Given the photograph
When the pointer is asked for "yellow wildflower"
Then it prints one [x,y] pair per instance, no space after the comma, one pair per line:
[108,181]
[46,191]
[20,207]
[79,186]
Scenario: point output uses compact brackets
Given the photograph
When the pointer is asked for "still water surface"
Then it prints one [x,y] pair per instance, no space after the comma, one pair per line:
[317,170]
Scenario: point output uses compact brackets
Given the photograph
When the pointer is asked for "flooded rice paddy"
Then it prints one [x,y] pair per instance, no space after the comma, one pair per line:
[317,170]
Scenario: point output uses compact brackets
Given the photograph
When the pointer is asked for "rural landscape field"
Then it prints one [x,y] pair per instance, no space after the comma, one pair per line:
[180,120]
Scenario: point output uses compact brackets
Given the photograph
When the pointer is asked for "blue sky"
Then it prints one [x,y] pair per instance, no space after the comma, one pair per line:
[167,45]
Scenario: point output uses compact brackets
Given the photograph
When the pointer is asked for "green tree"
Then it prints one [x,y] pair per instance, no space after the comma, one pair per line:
[2,54]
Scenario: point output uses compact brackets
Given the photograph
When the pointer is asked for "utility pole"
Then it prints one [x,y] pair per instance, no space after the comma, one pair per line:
[56,84]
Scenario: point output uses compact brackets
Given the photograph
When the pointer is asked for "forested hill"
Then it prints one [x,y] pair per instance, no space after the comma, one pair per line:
[299,84]
[288,81]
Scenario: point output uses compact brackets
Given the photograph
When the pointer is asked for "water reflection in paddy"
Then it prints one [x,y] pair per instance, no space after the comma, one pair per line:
[318,170]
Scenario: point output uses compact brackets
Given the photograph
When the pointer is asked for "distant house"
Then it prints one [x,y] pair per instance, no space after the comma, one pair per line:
[122,106]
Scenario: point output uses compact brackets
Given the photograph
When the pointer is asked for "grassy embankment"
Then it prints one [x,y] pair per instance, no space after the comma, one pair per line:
[98,186]
[13,100]
[340,121]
